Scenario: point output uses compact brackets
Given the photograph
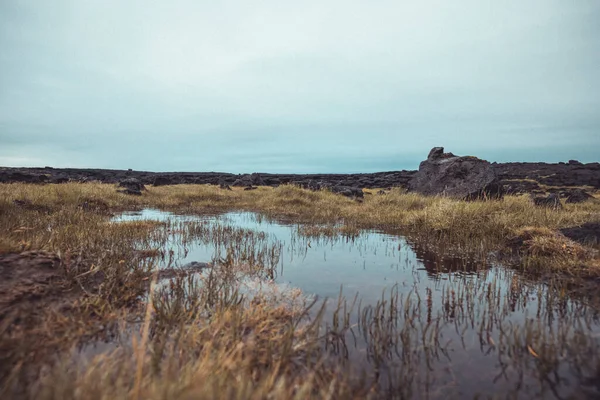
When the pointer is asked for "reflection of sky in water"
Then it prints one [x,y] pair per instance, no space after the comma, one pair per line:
[367,264]
[374,262]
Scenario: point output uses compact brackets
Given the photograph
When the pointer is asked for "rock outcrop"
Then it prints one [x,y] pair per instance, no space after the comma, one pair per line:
[577,196]
[464,177]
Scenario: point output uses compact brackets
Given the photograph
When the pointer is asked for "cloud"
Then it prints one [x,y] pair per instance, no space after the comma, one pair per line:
[275,85]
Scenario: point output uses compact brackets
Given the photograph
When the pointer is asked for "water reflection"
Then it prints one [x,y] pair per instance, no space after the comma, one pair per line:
[438,265]
[423,326]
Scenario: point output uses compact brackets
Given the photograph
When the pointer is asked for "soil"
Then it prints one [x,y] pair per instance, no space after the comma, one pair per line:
[29,281]
[31,284]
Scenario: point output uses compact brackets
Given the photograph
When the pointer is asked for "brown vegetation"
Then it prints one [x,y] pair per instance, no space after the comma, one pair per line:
[199,341]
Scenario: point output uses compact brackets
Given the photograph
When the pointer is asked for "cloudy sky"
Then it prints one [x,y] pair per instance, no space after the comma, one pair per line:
[296,86]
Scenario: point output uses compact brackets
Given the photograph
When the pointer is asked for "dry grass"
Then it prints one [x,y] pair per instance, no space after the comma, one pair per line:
[544,249]
[199,344]
[446,225]
[543,242]
[267,351]
[329,231]
[394,209]
[239,354]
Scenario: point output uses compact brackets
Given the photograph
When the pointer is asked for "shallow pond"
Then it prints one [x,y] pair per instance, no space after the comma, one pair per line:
[426,328]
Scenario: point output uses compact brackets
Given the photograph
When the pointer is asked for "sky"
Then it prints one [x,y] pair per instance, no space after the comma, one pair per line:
[296,86]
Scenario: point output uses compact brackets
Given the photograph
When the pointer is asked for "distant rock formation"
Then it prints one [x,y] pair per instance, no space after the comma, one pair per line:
[466,177]
[517,178]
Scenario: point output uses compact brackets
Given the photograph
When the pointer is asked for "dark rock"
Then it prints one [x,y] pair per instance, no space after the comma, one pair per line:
[494,190]
[588,233]
[24,177]
[521,177]
[574,162]
[249,180]
[241,182]
[59,179]
[132,185]
[577,196]
[562,175]
[250,188]
[223,185]
[459,177]
[163,180]
[551,201]
[257,180]
[435,153]
[521,186]
[438,153]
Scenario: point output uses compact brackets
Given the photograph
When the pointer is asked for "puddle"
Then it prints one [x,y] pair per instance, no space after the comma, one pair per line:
[456,331]
[365,264]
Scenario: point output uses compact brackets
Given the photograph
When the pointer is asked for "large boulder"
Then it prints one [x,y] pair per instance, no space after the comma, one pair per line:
[445,174]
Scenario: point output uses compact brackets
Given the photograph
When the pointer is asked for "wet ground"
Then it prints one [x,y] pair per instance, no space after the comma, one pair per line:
[425,327]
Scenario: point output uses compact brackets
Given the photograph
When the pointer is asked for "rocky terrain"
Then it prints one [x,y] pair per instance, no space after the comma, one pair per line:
[513,177]
[62,175]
